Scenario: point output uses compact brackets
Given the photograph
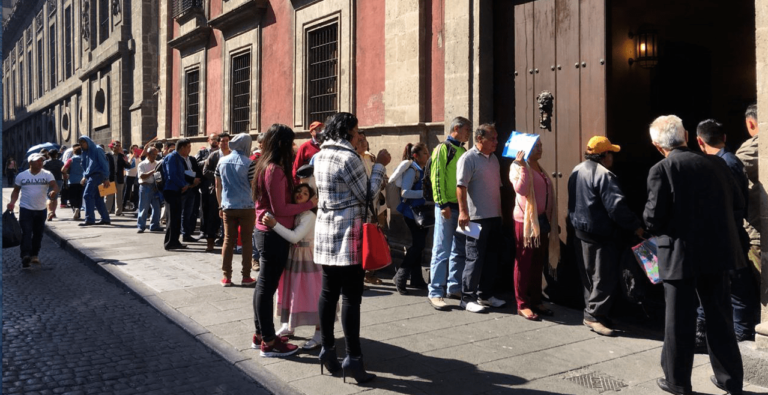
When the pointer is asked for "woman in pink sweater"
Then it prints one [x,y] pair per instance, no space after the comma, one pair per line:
[272,191]
[534,209]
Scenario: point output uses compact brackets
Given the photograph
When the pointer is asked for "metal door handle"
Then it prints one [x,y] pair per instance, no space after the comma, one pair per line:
[560,174]
[554,174]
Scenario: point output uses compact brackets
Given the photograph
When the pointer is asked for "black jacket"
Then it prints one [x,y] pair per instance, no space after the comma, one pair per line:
[691,203]
[596,204]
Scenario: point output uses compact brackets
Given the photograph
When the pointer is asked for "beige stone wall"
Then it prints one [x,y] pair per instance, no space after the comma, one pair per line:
[404,92]
[761,25]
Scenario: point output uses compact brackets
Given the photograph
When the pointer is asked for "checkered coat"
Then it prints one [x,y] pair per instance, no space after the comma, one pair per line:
[341,190]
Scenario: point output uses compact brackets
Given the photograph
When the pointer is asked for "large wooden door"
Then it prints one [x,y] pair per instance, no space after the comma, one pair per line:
[560,47]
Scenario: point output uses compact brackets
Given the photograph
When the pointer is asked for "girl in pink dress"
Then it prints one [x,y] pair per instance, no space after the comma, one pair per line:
[300,285]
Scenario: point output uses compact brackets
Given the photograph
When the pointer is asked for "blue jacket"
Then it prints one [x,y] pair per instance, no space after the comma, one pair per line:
[233,171]
[412,194]
[173,168]
[94,159]
[76,169]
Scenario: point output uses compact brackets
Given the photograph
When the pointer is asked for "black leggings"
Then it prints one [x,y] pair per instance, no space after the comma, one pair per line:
[347,281]
[274,256]
[411,265]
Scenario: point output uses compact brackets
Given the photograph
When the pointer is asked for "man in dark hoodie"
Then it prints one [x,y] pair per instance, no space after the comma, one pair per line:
[95,172]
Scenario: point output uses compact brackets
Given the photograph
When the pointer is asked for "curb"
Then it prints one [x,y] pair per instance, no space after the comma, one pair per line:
[221,348]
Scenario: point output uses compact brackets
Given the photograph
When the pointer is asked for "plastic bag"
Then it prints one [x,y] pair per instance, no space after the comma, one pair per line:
[646,255]
[11,230]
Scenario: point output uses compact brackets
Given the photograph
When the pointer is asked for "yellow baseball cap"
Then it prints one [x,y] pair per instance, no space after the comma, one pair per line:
[600,144]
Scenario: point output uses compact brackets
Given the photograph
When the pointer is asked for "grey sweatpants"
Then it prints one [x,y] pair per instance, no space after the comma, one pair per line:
[599,269]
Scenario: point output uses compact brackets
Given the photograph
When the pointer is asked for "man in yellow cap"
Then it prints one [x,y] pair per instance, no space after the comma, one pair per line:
[597,209]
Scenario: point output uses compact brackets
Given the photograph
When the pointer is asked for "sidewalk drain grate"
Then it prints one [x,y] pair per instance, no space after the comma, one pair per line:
[600,382]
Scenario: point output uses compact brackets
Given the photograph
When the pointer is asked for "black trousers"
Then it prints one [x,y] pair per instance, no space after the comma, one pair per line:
[599,270]
[713,292]
[346,281]
[210,221]
[173,230]
[188,217]
[274,256]
[410,268]
[130,192]
[482,259]
[32,224]
[76,196]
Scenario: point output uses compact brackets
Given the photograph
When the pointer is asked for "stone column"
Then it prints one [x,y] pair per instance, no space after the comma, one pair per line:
[405,91]
[761,37]
[143,110]
[165,54]
[469,60]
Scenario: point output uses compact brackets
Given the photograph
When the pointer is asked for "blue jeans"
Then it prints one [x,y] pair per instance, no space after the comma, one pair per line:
[148,198]
[745,299]
[91,198]
[255,254]
[448,255]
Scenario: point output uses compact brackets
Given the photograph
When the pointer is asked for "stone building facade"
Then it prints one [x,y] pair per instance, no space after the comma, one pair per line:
[79,67]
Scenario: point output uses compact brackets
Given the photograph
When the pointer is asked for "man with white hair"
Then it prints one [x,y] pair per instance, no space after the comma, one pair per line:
[32,184]
[691,202]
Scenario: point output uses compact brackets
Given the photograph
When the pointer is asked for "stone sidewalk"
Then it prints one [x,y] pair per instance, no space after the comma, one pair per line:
[413,348]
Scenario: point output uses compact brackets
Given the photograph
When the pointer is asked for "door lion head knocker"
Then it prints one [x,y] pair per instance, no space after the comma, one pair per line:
[545,100]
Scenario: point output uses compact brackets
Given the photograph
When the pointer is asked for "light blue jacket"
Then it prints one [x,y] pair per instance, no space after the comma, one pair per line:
[233,169]
[94,159]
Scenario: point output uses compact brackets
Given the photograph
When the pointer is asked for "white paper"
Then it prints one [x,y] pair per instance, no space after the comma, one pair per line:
[472,230]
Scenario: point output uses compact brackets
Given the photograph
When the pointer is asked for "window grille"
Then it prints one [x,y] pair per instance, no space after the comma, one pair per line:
[103,20]
[52,49]
[322,73]
[193,102]
[181,7]
[39,68]
[67,42]
[241,88]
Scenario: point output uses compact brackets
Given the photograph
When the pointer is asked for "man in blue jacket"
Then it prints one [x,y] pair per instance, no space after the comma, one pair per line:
[95,172]
[175,185]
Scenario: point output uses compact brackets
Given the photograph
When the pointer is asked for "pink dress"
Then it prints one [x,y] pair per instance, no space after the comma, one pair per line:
[302,280]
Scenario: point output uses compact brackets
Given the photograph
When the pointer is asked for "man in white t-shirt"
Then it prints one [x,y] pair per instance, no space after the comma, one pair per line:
[33,184]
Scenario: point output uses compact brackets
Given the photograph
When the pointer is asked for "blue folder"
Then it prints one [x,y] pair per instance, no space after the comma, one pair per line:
[519,141]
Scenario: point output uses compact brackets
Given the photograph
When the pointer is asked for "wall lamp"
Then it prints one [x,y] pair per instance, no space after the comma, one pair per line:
[646,48]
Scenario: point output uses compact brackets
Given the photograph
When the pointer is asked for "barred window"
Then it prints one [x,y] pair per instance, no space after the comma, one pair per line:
[323,72]
[241,89]
[52,49]
[39,68]
[193,102]
[103,20]
[67,42]
[181,7]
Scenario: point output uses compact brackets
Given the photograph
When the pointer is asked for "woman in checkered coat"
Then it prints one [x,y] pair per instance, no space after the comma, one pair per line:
[342,187]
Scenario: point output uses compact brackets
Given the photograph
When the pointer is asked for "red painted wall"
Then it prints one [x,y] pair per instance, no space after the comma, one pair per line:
[369,47]
[215,9]
[277,64]
[437,63]
[214,100]
[176,88]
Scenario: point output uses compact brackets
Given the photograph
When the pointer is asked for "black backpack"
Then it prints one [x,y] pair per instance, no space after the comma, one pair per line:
[426,182]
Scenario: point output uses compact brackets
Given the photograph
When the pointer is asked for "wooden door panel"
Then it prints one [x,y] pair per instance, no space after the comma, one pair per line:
[593,42]
[567,97]
[524,97]
[543,76]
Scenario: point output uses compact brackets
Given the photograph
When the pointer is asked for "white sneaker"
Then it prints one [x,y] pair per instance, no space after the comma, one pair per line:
[473,307]
[285,330]
[314,342]
[492,302]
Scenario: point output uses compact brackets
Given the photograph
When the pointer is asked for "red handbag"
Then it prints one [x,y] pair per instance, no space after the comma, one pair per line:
[376,254]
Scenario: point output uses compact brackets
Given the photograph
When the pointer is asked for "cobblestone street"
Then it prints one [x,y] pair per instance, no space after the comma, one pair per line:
[68,329]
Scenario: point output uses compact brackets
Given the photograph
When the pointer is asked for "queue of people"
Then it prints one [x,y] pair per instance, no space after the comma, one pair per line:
[306,227]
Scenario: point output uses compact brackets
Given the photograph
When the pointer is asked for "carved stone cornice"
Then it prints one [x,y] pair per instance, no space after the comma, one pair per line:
[249,11]
[196,36]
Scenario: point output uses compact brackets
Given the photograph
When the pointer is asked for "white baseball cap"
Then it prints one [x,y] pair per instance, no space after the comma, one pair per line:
[35,157]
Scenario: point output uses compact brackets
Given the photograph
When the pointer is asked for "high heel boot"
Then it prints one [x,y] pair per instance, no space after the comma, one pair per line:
[330,360]
[354,366]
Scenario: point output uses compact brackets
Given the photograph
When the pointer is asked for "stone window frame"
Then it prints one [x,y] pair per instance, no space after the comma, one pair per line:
[308,18]
[189,62]
[247,41]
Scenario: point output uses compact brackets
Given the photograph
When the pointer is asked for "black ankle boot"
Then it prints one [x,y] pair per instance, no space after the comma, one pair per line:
[354,366]
[330,360]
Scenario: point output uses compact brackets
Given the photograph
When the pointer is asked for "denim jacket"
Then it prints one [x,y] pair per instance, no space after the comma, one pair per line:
[233,170]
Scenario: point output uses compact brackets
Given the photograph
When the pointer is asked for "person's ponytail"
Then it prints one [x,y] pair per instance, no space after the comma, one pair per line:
[407,152]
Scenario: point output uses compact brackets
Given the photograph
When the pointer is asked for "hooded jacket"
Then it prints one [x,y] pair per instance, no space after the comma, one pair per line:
[236,172]
[94,160]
